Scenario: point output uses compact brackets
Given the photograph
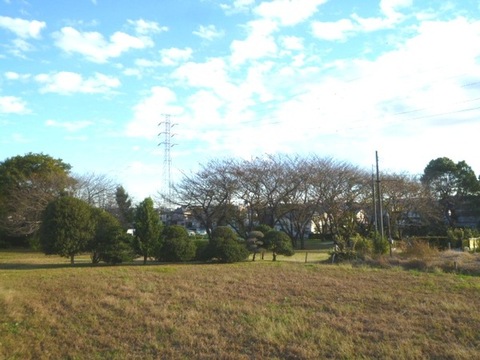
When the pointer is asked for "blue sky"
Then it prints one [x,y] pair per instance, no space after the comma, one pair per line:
[88,81]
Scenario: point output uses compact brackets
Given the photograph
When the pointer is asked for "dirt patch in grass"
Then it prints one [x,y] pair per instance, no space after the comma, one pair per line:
[250,310]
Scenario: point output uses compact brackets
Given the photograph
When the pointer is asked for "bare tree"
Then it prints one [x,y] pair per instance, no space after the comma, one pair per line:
[208,194]
[97,190]
[342,190]
[409,206]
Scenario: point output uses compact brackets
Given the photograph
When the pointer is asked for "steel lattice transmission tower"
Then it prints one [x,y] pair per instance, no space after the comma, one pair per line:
[167,136]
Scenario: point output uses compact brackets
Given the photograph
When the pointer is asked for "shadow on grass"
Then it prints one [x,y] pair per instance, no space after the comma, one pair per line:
[27,266]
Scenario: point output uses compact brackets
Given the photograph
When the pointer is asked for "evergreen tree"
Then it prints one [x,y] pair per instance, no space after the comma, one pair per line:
[177,245]
[148,229]
[124,211]
[67,228]
[110,243]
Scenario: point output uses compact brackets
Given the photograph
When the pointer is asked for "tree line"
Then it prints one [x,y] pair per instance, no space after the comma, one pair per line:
[68,215]
[283,194]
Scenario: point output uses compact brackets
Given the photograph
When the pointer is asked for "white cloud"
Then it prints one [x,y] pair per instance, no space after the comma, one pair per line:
[95,47]
[259,43]
[148,112]
[11,75]
[292,42]
[144,27]
[237,6]
[392,16]
[168,57]
[402,93]
[211,74]
[13,105]
[344,28]
[209,32]
[66,83]
[132,72]
[24,29]
[390,7]
[333,30]
[373,24]
[22,45]
[70,126]
[288,12]
[174,56]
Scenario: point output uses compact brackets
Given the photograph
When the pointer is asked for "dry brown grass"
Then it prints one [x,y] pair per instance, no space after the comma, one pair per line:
[251,310]
[420,256]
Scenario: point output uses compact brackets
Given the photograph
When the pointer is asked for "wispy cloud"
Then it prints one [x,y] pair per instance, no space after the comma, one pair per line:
[13,105]
[209,32]
[148,112]
[174,56]
[288,12]
[24,29]
[145,27]
[66,83]
[237,6]
[93,45]
[70,126]
[260,42]
[12,75]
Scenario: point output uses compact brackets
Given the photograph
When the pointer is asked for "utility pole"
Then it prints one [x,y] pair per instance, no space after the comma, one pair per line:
[379,196]
[167,159]
[374,198]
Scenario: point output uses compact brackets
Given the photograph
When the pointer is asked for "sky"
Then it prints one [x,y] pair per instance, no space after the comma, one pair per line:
[96,83]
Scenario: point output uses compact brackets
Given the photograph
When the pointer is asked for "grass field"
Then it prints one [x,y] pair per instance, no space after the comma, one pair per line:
[251,310]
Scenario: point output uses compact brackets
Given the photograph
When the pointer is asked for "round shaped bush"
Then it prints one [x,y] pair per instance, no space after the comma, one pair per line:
[177,245]
[225,246]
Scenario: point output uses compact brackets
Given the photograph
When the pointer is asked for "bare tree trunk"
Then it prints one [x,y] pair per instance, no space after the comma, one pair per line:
[72,259]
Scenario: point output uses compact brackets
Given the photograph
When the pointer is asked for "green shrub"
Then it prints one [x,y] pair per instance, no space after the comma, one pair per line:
[225,246]
[381,246]
[177,246]
[231,251]
[343,255]
[201,247]
[279,243]
[362,245]
[119,251]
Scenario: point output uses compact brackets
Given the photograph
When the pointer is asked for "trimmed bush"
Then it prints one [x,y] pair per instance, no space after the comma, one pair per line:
[225,246]
[177,245]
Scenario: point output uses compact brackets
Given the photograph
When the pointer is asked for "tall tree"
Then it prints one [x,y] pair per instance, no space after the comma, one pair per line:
[451,184]
[67,228]
[410,209]
[27,184]
[440,175]
[467,181]
[123,210]
[148,229]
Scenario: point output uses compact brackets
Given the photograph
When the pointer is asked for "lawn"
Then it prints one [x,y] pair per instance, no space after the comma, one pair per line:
[250,310]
